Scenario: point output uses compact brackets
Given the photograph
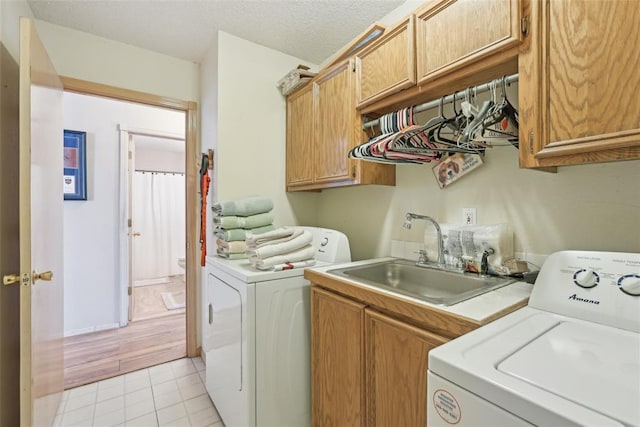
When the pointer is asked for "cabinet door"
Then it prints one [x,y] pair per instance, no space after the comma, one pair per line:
[388,65]
[337,355]
[578,83]
[300,137]
[335,123]
[451,34]
[396,383]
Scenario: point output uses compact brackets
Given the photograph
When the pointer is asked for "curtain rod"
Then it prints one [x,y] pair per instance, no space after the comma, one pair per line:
[152,171]
[449,98]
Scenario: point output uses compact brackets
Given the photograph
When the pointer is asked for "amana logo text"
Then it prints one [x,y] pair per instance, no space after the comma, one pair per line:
[575,297]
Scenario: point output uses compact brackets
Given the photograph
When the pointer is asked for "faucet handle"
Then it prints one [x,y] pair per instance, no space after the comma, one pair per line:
[422,258]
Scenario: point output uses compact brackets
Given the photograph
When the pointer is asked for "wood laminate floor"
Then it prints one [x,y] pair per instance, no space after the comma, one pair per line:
[105,354]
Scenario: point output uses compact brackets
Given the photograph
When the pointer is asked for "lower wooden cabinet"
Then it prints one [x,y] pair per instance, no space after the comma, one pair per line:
[396,371]
[337,356]
[368,369]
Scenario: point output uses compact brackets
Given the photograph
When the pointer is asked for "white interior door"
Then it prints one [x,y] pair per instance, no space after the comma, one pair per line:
[41,259]
[131,235]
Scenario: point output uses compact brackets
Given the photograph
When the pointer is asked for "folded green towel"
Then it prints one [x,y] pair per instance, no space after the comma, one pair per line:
[243,207]
[253,221]
[235,234]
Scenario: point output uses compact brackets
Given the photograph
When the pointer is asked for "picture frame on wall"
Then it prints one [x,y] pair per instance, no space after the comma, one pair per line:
[75,165]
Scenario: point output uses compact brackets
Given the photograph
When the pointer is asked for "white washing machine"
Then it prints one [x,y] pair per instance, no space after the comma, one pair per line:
[570,358]
[256,338]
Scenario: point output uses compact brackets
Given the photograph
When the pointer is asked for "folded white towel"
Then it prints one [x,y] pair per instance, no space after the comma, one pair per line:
[278,233]
[297,232]
[234,247]
[292,265]
[302,254]
[268,250]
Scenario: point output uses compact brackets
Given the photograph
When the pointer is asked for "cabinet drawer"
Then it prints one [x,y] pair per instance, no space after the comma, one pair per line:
[454,33]
[388,65]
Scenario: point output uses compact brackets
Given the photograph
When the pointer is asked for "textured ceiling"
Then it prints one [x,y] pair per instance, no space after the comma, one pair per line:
[309,29]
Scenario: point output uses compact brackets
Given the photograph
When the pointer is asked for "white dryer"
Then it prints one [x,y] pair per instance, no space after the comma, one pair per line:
[570,358]
[256,338]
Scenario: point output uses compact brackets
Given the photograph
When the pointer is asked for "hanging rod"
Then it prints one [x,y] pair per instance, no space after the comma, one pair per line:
[449,98]
[156,172]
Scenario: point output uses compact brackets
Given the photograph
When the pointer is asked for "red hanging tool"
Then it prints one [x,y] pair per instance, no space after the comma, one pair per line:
[204,191]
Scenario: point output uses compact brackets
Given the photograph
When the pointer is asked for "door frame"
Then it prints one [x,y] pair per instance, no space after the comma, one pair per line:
[125,228]
[192,148]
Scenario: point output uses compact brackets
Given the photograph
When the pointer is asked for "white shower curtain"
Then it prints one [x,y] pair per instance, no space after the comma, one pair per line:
[159,216]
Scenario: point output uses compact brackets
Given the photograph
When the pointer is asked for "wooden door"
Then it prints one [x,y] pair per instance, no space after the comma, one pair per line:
[451,34]
[578,83]
[335,122]
[397,362]
[9,241]
[41,302]
[300,137]
[337,360]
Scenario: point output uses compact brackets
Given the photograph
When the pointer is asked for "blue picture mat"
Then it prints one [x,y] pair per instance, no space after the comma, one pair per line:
[75,171]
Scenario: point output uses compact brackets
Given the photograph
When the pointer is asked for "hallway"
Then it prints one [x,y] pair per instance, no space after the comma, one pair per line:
[98,355]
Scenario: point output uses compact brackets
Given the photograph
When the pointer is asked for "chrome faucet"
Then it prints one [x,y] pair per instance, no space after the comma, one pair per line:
[407,225]
[484,263]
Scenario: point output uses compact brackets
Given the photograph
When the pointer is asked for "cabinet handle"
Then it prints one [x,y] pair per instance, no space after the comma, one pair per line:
[210,314]
[524,25]
[531,142]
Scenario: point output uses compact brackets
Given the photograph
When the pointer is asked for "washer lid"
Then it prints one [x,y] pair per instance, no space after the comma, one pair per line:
[594,366]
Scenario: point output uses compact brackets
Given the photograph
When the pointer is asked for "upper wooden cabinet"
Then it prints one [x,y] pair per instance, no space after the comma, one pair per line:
[578,83]
[322,126]
[336,124]
[445,46]
[300,137]
[387,65]
[451,34]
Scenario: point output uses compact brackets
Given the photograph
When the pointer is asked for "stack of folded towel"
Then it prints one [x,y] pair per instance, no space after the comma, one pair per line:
[280,249]
[233,219]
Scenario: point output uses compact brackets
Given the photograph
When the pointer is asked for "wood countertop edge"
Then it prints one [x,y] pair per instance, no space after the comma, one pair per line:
[433,319]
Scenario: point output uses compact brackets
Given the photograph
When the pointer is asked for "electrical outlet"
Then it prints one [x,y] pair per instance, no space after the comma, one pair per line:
[469,216]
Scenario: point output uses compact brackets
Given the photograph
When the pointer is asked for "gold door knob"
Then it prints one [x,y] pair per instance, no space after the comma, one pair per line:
[46,275]
[136,234]
[10,279]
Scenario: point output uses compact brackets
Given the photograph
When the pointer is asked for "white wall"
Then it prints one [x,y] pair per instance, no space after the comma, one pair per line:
[590,207]
[87,57]
[91,294]
[158,160]
[252,129]
[10,13]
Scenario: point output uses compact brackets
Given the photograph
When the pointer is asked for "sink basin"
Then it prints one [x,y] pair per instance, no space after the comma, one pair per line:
[432,285]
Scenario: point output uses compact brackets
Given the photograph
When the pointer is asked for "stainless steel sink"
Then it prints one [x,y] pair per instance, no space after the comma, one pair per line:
[432,285]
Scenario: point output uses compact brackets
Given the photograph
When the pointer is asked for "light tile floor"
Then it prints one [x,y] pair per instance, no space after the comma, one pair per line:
[171,394]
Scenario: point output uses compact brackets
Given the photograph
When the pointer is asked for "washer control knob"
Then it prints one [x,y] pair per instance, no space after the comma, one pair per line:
[630,284]
[586,278]
[324,242]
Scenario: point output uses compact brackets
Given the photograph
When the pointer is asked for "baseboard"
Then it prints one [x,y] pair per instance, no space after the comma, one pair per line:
[88,330]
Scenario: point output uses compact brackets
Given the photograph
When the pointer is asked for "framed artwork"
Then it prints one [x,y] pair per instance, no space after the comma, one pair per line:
[75,165]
